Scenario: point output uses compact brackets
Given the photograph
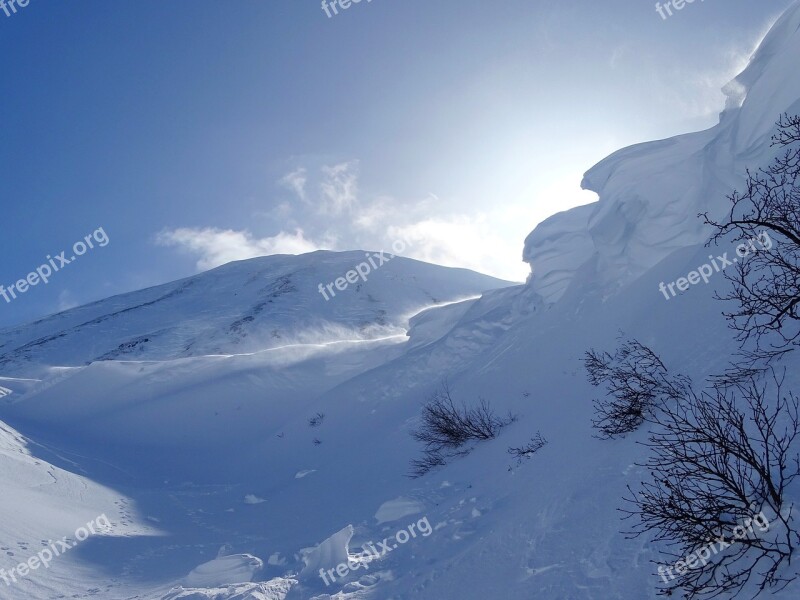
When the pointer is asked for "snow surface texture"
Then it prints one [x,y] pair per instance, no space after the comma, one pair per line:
[242,307]
[650,194]
[222,570]
[191,444]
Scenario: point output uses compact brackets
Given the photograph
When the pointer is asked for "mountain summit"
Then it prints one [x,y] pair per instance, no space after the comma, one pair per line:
[245,306]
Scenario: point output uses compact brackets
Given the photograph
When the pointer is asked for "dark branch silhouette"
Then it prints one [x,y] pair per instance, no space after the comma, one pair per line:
[718,458]
[448,428]
[766,286]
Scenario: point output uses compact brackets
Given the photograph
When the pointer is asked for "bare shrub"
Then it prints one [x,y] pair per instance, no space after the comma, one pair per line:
[447,428]
[636,382]
[766,286]
[717,459]
[521,453]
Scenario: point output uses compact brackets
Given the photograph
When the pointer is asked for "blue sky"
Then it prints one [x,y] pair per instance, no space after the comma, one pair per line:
[197,132]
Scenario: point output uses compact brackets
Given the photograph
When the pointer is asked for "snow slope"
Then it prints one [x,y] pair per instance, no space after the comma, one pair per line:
[242,307]
[210,412]
[41,503]
[548,528]
[259,469]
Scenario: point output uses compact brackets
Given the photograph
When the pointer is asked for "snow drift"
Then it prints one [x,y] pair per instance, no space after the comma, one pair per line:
[650,194]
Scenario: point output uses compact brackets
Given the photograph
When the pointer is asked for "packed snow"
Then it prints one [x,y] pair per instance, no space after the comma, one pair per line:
[250,440]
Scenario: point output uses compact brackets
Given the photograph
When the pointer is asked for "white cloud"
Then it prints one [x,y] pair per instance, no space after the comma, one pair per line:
[373,215]
[489,241]
[339,187]
[296,182]
[219,246]
[479,242]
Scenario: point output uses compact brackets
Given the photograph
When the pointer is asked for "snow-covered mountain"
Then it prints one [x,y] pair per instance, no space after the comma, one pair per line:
[223,362]
[245,306]
[234,474]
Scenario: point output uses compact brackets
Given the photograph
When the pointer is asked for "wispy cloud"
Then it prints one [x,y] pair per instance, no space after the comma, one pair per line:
[339,187]
[333,214]
[216,247]
[340,211]
[296,182]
